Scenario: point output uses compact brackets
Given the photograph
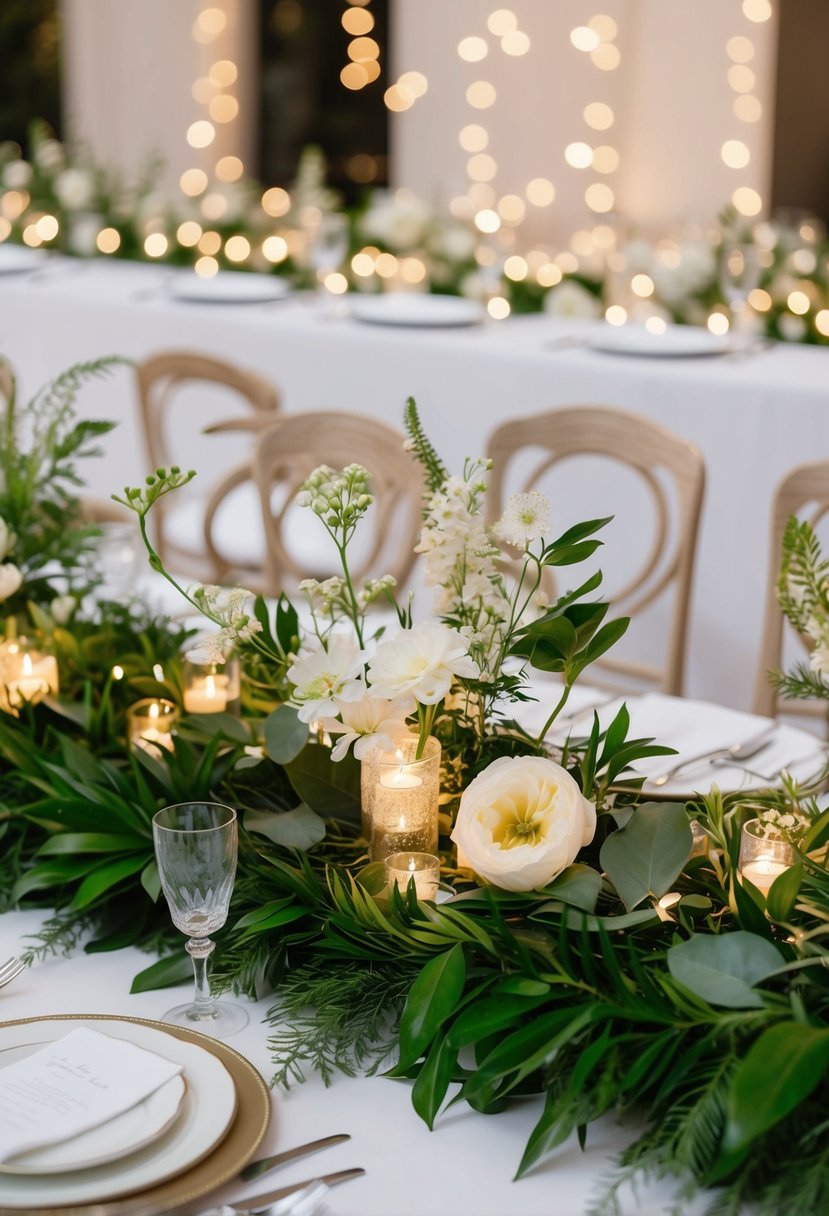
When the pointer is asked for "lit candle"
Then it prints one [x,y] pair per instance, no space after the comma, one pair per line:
[209,687]
[206,695]
[29,686]
[424,868]
[763,871]
[400,797]
[765,854]
[399,779]
[150,725]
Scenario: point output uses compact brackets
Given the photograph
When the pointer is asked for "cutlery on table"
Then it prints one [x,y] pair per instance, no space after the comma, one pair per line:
[10,970]
[267,1204]
[725,755]
[256,1168]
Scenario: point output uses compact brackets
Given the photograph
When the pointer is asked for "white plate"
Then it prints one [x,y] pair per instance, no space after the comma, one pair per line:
[677,341]
[114,1140]
[409,308]
[229,287]
[207,1112]
[17,258]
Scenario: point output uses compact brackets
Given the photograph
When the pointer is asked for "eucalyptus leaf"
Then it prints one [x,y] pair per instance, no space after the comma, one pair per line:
[723,968]
[298,829]
[285,734]
[645,857]
[331,789]
[176,969]
[578,885]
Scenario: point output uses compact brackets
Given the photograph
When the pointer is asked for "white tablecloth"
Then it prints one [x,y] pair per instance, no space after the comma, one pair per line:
[753,417]
[463,1168]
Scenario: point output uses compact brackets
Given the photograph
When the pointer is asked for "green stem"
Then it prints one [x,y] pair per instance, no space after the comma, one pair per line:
[426,716]
[559,707]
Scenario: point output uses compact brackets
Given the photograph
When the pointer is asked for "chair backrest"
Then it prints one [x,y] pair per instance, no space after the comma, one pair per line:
[160,378]
[656,456]
[807,485]
[297,545]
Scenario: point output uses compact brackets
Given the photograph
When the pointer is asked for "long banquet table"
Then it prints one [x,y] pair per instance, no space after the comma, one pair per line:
[463,1168]
[754,417]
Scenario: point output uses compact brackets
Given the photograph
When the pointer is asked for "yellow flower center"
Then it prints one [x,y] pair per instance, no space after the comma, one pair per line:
[522,817]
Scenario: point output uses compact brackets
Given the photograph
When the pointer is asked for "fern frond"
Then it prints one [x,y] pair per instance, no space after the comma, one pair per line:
[433,466]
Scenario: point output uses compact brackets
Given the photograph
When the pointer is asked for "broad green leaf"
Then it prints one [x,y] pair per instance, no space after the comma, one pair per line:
[644,857]
[579,885]
[220,724]
[176,969]
[258,915]
[297,829]
[331,789]
[74,843]
[783,1066]
[285,735]
[56,873]
[104,878]
[783,892]
[495,1012]
[723,968]
[433,1081]
[432,998]
[151,880]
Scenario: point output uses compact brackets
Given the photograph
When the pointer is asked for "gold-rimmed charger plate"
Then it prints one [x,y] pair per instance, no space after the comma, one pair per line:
[224,1162]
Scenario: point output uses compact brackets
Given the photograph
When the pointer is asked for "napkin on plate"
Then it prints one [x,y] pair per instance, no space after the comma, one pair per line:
[72,1085]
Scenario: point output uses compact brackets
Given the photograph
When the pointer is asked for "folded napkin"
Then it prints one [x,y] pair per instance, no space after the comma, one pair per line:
[72,1085]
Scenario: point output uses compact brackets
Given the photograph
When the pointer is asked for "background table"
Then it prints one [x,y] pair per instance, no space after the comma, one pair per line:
[463,1168]
[753,417]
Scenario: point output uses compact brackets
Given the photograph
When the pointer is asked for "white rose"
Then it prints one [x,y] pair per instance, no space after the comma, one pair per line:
[522,821]
[17,174]
[10,580]
[7,538]
[75,188]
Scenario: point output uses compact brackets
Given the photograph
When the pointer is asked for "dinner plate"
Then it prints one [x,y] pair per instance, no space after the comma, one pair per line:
[113,1140]
[14,259]
[228,287]
[207,1112]
[414,309]
[676,341]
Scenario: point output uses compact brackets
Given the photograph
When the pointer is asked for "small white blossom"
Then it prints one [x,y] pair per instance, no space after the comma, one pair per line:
[62,607]
[527,518]
[370,723]
[322,674]
[11,579]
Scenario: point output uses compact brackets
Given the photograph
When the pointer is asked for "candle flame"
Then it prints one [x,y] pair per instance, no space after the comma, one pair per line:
[155,709]
[210,686]
[158,672]
[411,865]
[117,672]
[401,827]
[27,665]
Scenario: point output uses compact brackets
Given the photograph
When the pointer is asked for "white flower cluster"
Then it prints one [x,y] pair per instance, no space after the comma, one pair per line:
[328,598]
[11,577]
[790,824]
[340,498]
[230,608]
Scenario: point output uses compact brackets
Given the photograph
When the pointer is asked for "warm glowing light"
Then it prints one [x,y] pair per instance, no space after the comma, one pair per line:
[229,169]
[155,246]
[604,26]
[386,265]
[482,195]
[223,73]
[203,90]
[616,315]
[47,227]
[655,325]
[275,248]
[209,24]
[473,138]
[502,21]
[822,322]
[548,275]
[579,155]
[604,236]
[117,672]
[354,76]
[362,167]
[739,49]
[415,82]
[472,49]
[363,48]
[741,78]
[606,57]
[584,38]
[398,99]
[748,108]
[336,283]
[642,285]
[206,267]
[5,228]
[357,21]
[372,69]
[108,240]
[598,115]
[188,233]
[582,242]
[540,192]
[276,201]
[237,248]
[363,264]
[511,209]
[516,268]
[747,201]
[201,134]
[412,270]
[759,300]
[223,108]
[14,203]
[487,220]
[193,182]
[498,308]
[804,261]
[213,206]
[757,10]
[31,236]
[481,95]
[798,302]
[599,197]
[481,168]
[515,43]
[210,243]
[735,154]
[718,323]
[567,262]
[605,159]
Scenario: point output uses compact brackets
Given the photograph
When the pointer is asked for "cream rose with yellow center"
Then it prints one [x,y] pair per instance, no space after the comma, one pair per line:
[522,821]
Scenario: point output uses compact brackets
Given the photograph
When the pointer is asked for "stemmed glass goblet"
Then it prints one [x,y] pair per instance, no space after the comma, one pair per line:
[327,250]
[196,848]
[739,275]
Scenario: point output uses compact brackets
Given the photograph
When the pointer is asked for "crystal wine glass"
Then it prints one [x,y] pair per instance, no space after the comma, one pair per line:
[195,847]
[326,253]
[739,275]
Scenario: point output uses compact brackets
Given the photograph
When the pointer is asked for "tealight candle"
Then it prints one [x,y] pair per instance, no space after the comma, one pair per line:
[27,675]
[763,872]
[400,797]
[764,854]
[424,868]
[150,725]
[211,688]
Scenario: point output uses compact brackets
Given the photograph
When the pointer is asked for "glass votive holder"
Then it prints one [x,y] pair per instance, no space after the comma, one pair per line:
[27,674]
[764,854]
[700,840]
[424,868]
[211,688]
[400,796]
[150,725]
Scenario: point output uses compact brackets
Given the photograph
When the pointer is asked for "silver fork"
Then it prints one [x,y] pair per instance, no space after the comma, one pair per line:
[10,971]
[736,751]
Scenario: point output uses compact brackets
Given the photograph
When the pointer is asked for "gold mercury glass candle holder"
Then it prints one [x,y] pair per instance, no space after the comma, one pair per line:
[150,725]
[27,674]
[399,796]
[211,688]
[424,868]
[763,856]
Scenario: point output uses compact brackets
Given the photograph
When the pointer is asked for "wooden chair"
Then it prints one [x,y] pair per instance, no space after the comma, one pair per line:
[297,544]
[807,485]
[160,378]
[659,458]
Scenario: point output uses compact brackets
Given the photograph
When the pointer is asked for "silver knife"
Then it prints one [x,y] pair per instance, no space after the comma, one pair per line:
[303,1150]
[261,1201]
